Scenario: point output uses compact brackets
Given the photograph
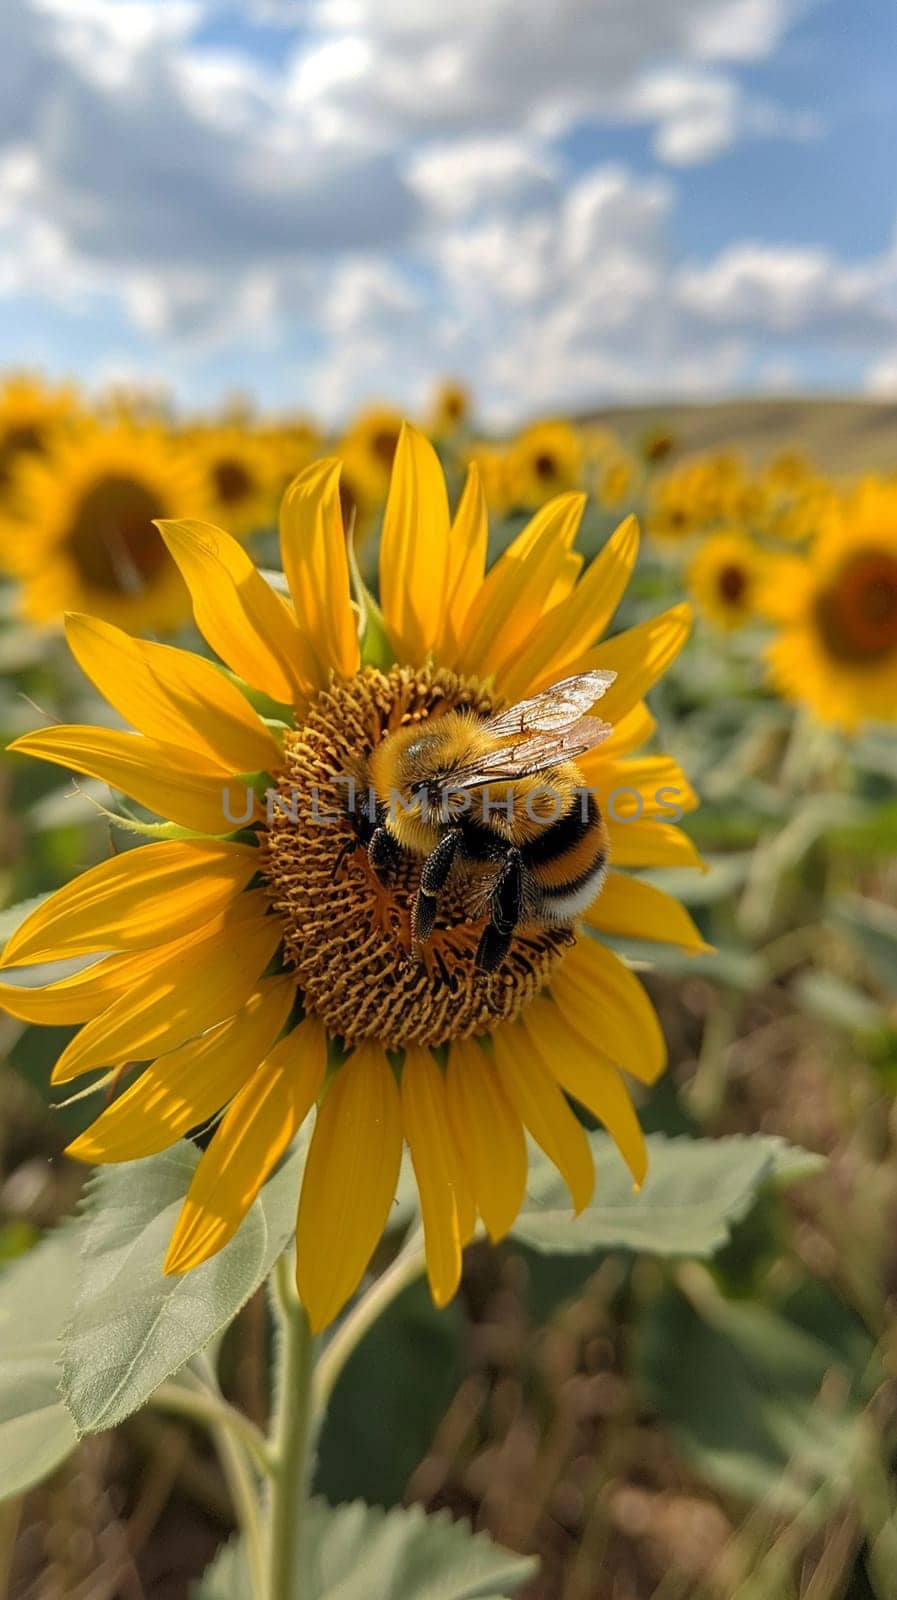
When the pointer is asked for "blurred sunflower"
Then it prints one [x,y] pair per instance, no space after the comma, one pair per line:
[241,476]
[616,481]
[371,440]
[83,536]
[544,460]
[450,411]
[491,466]
[725,578]
[32,415]
[837,652]
[270,971]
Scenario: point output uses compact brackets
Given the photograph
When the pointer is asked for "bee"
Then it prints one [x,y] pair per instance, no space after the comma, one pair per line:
[495,803]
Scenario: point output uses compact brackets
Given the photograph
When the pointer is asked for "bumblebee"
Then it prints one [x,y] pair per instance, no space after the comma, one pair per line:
[497,804]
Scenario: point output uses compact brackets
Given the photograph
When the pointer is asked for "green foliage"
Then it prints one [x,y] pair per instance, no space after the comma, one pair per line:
[132,1327]
[36,1294]
[356,1552]
[765,1409]
[696,1189]
[389,1400]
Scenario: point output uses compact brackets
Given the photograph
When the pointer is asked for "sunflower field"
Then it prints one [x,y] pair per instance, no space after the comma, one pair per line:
[448,1016]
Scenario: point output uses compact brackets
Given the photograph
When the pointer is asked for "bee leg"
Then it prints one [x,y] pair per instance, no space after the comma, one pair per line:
[383,853]
[434,876]
[505,906]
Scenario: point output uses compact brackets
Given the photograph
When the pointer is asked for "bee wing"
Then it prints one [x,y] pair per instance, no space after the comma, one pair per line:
[534,754]
[554,708]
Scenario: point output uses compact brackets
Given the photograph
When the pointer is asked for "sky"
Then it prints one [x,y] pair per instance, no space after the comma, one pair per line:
[564,202]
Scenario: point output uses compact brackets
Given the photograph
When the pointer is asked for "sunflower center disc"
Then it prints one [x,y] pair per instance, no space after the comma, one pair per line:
[347,936]
[112,539]
[858,613]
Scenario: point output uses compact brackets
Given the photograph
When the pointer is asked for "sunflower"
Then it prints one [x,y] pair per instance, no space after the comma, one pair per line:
[837,651]
[241,472]
[372,440]
[32,415]
[491,466]
[698,496]
[616,480]
[544,460]
[725,578]
[450,411]
[262,968]
[83,535]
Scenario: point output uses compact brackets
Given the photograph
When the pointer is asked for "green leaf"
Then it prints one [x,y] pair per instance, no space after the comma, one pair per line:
[694,1192]
[133,1327]
[355,1552]
[743,1389]
[390,1399]
[36,1295]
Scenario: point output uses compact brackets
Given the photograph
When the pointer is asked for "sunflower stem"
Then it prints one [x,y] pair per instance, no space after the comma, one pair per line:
[407,1265]
[292,1437]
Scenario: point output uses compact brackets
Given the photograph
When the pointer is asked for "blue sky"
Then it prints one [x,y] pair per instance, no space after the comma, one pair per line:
[336,200]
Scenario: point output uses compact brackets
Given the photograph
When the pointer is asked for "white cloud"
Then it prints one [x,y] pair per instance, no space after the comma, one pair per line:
[391,195]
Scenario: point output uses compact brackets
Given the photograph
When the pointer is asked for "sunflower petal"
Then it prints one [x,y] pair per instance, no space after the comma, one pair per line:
[172,695]
[158,776]
[414,548]
[81,996]
[541,1106]
[601,999]
[489,1134]
[630,908]
[572,627]
[651,844]
[468,545]
[536,572]
[183,1089]
[251,1138]
[628,734]
[349,1182]
[585,1073]
[198,981]
[426,1126]
[130,901]
[236,611]
[639,657]
[313,549]
[653,788]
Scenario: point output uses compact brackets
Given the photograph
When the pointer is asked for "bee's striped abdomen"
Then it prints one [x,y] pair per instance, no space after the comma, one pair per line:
[567,860]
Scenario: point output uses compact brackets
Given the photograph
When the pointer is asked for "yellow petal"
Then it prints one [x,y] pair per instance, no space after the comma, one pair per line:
[633,730]
[184,1088]
[142,897]
[639,657]
[651,844]
[198,981]
[313,549]
[585,1073]
[172,695]
[653,788]
[630,908]
[80,997]
[521,587]
[602,999]
[251,1138]
[349,1182]
[468,543]
[541,1106]
[426,1127]
[489,1134]
[159,776]
[572,627]
[414,548]
[244,621]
